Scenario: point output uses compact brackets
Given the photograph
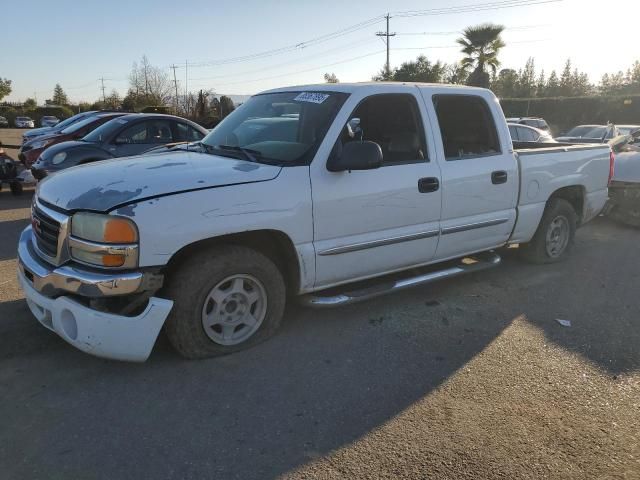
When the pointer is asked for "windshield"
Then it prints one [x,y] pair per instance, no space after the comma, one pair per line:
[76,118]
[283,128]
[628,130]
[104,131]
[23,119]
[587,131]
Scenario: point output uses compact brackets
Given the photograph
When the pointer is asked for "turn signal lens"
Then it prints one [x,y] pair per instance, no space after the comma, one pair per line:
[112,260]
[119,230]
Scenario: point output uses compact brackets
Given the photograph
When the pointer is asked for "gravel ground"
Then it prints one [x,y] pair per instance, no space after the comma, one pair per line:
[468,378]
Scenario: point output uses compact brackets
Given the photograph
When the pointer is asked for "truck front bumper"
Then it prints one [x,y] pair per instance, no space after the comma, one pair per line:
[99,333]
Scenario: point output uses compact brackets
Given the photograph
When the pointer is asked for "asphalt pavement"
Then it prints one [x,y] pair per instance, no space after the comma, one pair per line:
[472,377]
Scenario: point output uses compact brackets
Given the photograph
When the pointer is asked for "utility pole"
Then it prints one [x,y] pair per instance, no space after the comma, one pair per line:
[175,83]
[387,35]
[104,98]
[186,88]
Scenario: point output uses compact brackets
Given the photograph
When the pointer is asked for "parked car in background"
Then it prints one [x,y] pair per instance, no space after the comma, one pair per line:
[535,122]
[210,244]
[23,122]
[525,134]
[30,151]
[628,129]
[589,134]
[624,189]
[4,123]
[129,135]
[49,121]
[36,132]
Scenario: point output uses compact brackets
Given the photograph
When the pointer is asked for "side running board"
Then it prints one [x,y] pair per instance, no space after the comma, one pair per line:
[377,287]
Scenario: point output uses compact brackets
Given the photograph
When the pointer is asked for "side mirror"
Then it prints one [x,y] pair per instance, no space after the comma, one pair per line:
[357,156]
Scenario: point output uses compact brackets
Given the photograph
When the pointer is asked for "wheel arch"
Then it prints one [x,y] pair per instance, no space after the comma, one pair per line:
[275,244]
[575,195]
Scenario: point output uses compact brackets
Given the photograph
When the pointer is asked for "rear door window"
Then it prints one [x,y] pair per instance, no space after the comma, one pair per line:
[527,135]
[188,133]
[147,132]
[467,127]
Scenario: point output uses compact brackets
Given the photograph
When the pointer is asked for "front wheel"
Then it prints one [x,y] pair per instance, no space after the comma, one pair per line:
[555,234]
[226,299]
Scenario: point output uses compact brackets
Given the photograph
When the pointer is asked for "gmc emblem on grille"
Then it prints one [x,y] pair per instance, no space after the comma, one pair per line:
[35,223]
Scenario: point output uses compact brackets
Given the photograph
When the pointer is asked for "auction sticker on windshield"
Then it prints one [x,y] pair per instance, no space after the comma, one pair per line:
[312,97]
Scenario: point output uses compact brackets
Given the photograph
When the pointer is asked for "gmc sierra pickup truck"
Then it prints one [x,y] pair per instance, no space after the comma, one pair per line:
[332,193]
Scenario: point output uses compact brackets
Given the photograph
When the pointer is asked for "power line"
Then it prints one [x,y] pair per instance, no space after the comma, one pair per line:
[471,8]
[458,32]
[293,47]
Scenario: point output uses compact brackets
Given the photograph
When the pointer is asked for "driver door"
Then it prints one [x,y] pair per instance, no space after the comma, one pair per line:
[371,222]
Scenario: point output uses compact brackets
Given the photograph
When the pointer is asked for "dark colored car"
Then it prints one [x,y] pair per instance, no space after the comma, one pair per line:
[4,123]
[30,151]
[37,132]
[589,134]
[132,134]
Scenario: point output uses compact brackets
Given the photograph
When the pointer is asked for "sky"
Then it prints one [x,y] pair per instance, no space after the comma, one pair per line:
[242,47]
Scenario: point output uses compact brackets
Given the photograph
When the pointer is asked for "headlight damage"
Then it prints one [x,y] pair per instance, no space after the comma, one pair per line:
[104,240]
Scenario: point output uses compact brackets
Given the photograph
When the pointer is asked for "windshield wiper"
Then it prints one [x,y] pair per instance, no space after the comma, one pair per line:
[247,152]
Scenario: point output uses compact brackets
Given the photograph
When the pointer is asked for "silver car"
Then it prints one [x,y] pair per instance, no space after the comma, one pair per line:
[49,121]
[624,189]
[23,122]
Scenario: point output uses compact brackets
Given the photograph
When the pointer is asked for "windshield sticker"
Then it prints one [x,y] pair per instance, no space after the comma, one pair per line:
[122,121]
[311,97]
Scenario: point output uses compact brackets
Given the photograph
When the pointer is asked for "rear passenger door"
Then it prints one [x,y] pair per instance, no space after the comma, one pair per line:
[479,174]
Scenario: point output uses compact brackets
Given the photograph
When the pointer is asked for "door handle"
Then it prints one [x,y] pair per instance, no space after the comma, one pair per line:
[428,184]
[498,177]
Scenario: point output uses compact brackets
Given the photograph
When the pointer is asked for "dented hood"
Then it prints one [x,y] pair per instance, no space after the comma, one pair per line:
[101,186]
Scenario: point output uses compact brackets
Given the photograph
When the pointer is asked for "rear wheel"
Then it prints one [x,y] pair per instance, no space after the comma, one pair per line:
[555,234]
[226,299]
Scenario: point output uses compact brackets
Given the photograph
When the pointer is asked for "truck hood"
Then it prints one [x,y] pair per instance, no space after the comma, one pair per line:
[627,167]
[102,186]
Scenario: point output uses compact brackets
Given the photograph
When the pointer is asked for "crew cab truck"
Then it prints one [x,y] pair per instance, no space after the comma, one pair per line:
[332,193]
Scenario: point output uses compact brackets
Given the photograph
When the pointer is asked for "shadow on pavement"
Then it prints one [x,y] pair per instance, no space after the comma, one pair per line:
[11,202]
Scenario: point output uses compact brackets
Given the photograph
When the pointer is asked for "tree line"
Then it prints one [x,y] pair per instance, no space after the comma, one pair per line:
[481,45]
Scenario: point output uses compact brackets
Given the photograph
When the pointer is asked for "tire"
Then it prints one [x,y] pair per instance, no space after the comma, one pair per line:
[208,273]
[16,188]
[558,214]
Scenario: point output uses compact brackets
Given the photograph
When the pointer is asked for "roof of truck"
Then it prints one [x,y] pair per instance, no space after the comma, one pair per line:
[352,87]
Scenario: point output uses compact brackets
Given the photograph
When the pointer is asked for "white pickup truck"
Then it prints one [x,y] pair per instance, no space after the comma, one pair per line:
[333,193]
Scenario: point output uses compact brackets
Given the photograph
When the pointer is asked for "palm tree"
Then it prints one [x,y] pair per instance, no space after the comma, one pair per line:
[481,45]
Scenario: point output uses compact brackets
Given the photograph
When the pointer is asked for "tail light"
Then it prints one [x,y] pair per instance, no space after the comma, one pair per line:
[612,160]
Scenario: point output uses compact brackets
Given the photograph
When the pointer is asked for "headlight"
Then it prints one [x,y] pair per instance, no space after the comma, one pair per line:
[40,144]
[58,158]
[104,240]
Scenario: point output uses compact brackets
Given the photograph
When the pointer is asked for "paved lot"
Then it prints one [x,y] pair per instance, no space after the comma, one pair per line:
[470,378]
[11,136]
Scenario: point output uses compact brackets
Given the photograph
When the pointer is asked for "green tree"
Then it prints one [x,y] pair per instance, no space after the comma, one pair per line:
[59,97]
[566,80]
[541,85]
[29,104]
[113,101]
[420,70]
[505,84]
[226,106]
[553,85]
[331,78]
[456,74]
[481,45]
[526,87]
[5,87]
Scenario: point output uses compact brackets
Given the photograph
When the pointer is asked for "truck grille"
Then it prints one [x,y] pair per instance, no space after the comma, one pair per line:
[46,231]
